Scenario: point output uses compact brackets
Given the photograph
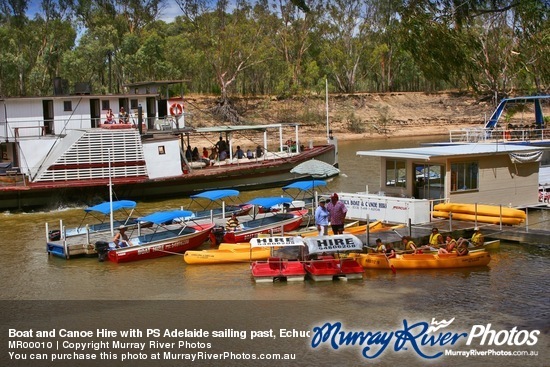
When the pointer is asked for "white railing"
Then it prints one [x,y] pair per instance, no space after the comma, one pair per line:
[481,135]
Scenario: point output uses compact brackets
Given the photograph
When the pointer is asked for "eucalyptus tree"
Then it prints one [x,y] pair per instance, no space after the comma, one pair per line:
[293,39]
[114,28]
[344,33]
[31,49]
[231,41]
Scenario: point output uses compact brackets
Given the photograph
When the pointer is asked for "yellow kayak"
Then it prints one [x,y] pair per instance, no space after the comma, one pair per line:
[481,209]
[374,227]
[235,255]
[423,261]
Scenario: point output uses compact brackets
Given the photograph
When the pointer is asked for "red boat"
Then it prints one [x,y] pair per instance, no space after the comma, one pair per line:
[268,223]
[163,239]
[284,264]
[324,266]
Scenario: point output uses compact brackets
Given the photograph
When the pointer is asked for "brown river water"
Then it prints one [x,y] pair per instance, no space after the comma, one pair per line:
[512,291]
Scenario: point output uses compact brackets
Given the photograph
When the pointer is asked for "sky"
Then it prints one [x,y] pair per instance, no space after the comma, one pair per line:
[168,13]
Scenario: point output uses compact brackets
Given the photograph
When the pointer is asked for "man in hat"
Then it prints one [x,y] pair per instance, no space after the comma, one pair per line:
[477,239]
[337,211]
[321,217]
[121,239]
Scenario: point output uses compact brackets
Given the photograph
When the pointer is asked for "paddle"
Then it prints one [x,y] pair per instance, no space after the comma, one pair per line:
[392,268]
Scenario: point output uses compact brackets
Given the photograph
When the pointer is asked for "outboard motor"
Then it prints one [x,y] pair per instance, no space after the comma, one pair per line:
[216,235]
[102,249]
[54,235]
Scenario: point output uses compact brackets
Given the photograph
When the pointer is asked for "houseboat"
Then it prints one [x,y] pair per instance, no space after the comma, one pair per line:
[410,181]
[65,149]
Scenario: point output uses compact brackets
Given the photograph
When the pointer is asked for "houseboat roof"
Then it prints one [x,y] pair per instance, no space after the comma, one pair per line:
[448,151]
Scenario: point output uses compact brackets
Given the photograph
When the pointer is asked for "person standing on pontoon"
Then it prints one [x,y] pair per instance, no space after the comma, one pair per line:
[338,212]
[321,218]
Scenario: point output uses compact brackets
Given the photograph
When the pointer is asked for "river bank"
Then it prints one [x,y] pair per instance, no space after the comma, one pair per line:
[355,117]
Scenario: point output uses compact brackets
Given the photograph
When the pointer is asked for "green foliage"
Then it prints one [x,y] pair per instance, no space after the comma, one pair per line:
[283,48]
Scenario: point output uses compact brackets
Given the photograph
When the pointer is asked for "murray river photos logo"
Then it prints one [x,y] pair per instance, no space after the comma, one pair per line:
[428,340]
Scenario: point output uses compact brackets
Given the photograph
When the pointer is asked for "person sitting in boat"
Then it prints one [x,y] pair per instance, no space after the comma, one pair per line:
[189,154]
[249,154]
[221,145]
[239,153]
[232,223]
[195,154]
[110,117]
[409,244]
[122,116]
[223,155]
[436,239]
[450,246]
[380,248]
[121,239]
[321,218]
[462,249]
[259,151]
[476,240]
[214,155]
[390,252]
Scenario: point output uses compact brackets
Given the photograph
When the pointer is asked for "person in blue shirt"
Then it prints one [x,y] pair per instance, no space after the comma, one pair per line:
[321,218]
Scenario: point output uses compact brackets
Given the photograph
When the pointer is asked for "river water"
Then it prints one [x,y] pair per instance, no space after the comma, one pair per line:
[40,290]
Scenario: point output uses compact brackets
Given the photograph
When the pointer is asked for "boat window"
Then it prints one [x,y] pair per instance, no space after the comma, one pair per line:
[396,173]
[67,105]
[105,105]
[464,176]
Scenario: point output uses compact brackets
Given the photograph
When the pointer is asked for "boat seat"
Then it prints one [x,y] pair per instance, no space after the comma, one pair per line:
[274,263]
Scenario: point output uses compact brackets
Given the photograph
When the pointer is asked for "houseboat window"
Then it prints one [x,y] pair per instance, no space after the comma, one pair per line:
[161,150]
[105,105]
[396,173]
[67,106]
[134,104]
[464,176]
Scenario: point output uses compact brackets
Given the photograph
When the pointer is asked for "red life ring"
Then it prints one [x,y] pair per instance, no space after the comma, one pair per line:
[176,109]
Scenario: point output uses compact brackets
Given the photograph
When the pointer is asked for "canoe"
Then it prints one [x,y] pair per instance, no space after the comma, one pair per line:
[224,256]
[487,245]
[423,261]
[374,227]
[481,209]
[480,218]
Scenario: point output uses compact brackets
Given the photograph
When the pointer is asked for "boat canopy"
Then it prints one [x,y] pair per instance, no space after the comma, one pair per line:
[268,202]
[215,194]
[277,242]
[105,208]
[305,185]
[337,243]
[166,216]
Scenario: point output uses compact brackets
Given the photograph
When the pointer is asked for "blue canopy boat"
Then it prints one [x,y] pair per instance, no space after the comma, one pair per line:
[162,239]
[268,223]
[67,243]
[215,206]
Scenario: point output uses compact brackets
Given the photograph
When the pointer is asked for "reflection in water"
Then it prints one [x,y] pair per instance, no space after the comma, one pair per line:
[511,291]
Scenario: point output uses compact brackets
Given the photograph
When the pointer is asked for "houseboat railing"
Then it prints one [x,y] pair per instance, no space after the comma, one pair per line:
[481,135]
